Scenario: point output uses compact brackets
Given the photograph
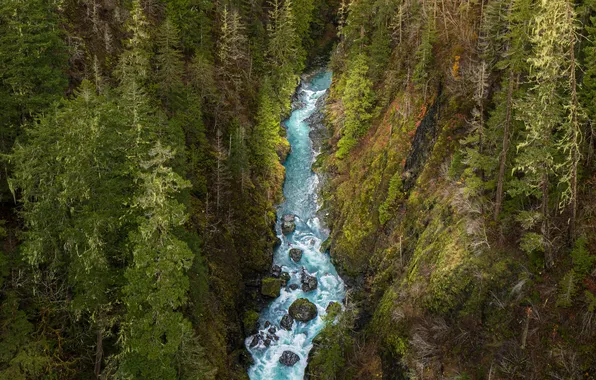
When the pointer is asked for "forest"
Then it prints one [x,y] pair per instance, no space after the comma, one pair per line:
[144,147]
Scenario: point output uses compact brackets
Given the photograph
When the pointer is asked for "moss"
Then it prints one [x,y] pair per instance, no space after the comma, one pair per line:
[270,287]
[250,320]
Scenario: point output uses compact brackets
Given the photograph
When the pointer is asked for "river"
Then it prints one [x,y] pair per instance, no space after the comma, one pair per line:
[300,192]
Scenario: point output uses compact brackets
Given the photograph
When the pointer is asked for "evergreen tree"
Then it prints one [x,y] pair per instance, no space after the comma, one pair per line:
[357,100]
[265,135]
[33,60]
[169,65]
[194,20]
[72,176]
[132,73]
[157,283]
[284,51]
[232,56]
[424,55]
[513,60]
[544,112]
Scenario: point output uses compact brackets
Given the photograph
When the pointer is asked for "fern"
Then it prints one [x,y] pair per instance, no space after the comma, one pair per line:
[568,289]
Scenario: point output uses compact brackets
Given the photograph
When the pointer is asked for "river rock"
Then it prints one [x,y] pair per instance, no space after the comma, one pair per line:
[255,341]
[296,254]
[284,277]
[270,287]
[276,270]
[288,358]
[272,330]
[288,224]
[309,283]
[267,324]
[286,322]
[303,310]
[293,286]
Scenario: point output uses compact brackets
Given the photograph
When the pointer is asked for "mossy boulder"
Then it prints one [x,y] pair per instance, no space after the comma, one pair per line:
[251,322]
[270,287]
[333,308]
[303,310]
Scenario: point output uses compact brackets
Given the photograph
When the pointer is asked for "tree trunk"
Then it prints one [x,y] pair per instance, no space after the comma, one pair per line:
[503,159]
[545,228]
[574,132]
[99,351]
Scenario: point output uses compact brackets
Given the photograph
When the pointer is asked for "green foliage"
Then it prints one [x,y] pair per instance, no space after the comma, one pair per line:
[265,136]
[531,242]
[169,65]
[33,62]
[72,175]
[21,356]
[193,19]
[588,89]
[568,289]
[424,54]
[394,193]
[270,287]
[583,261]
[284,51]
[357,99]
[379,52]
[157,281]
[332,344]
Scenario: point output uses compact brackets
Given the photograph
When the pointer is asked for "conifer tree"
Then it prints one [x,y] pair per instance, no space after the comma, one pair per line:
[424,55]
[232,56]
[545,114]
[157,283]
[284,51]
[33,59]
[132,73]
[357,100]
[72,175]
[169,65]
[512,60]
[265,135]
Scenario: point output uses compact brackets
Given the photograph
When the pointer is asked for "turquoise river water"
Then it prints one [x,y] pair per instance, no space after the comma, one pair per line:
[300,191]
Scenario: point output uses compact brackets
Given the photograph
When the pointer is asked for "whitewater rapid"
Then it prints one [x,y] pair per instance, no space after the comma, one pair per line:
[300,191]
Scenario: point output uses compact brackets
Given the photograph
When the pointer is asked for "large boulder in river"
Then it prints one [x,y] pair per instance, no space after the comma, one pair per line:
[296,254]
[288,358]
[288,224]
[303,310]
[309,283]
[286,322]
[270,287]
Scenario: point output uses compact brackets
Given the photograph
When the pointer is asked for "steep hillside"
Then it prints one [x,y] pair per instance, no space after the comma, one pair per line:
[461,191]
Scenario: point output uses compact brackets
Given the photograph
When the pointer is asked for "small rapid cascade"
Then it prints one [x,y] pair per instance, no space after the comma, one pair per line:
[300,191]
